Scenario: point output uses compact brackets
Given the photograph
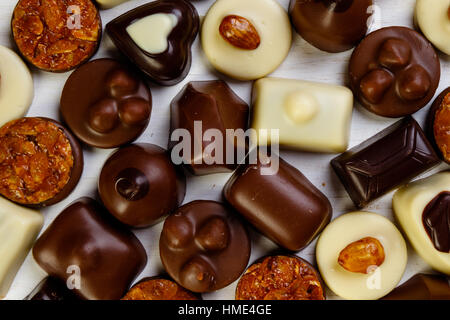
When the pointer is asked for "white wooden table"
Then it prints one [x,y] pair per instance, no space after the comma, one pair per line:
[303,62]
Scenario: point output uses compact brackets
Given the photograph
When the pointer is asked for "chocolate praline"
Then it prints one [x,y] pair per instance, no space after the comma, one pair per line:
[394,72]
[442,144]
[75,171]
[51,289]
[204,246]
[422,287]
[173,64]
[331,25]
[106,104]
[139,185]
[86,247]
[215,106]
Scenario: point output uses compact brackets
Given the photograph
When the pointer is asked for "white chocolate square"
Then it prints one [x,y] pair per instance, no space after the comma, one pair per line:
[409,203]
[19,227]
[310,116]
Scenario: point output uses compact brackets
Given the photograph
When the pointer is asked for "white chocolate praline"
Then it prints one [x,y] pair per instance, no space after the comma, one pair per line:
[273,26]
[409,203]
[107,4]
[310,116]
[19,227]
[432,17]
[352,227]
[151,33]
[16,86]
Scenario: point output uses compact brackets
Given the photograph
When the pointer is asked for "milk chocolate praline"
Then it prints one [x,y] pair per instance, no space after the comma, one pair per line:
[438,124]
[215,106]
[331,25]
[106,104]
[204,246]
[85,247]
[394,72]
[139,184]
[44,162]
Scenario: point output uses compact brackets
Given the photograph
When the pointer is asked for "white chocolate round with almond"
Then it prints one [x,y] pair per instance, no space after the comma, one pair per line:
[409,203]
[346,230]
[16,86]
[273,29]
[433,19]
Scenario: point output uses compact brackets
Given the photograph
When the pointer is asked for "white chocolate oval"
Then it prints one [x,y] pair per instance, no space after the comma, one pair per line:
[151,33]
[273,26]
[433,20]
[409,203]
[16,86]
[352,227]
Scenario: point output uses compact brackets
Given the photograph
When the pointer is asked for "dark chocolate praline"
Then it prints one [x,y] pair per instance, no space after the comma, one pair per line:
[52,289]
[331,25]
[106,104]
[204,246]
[139,185]
[171,66]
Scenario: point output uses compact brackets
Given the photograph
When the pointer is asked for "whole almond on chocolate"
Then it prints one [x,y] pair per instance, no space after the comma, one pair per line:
[239,32]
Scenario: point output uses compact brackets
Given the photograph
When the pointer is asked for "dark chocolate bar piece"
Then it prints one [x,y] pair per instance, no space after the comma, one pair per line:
[387,160]
[422,287]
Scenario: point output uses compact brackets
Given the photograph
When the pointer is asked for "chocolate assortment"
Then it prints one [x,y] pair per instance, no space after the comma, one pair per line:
[157,38]
[84,241]
[331,25]
[269,209]
[114,108]
[42,162]
[56,35]
[204,246]
[387,160]
[394,72]
[213,105]
[139,184]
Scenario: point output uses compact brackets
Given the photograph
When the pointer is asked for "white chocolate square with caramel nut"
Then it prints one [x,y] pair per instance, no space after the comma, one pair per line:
[409,203]
[310,116]
[19,227]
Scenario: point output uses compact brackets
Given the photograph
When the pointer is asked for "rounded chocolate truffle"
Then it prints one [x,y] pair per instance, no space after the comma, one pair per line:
[40,162]
[438,124]
[106,104]
[139,184]
[394,72]
[331,25]
[204,246]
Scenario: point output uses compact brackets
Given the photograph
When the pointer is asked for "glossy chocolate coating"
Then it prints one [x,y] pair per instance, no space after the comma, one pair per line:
[139,184]
[109,256]
[173,65]
[436,220]
[394,72]
[387,160]
[422,287]
[77,169]
[331,25]
[105,104]
[204,246]
[217,107]
[431,121]
[51,289]
[286,206]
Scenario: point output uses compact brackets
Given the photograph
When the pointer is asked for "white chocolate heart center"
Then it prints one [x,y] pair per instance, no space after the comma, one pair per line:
[151,33]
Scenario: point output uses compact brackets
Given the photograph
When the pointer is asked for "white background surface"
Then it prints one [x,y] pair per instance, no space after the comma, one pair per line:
[304,62]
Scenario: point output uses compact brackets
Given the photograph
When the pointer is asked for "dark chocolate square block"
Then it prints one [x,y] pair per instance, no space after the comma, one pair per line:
[84,240]
[285,206]
[387,160]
